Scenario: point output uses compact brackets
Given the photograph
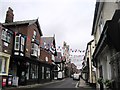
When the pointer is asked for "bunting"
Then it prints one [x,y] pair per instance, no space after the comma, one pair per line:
[71,50]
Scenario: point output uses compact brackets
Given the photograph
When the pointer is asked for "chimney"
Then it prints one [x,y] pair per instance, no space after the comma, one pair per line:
[9,15]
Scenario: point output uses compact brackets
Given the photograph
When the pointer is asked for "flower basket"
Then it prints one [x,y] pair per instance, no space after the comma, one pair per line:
[100,80]
[108,83]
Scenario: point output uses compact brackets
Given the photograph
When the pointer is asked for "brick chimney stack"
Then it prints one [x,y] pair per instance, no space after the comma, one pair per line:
[9,15]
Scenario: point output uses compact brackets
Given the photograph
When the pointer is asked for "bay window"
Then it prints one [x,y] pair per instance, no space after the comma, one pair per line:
[19,45]
[6,35]
[17,42]
[22,43]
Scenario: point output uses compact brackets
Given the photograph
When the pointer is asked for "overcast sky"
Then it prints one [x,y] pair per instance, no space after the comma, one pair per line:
[69,20]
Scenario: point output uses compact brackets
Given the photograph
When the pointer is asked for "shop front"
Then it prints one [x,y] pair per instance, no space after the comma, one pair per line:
[4,68]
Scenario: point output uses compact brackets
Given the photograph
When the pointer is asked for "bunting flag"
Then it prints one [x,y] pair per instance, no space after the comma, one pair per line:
[71,50]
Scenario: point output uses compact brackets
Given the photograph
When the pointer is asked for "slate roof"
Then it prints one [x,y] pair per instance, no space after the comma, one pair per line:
[58,58]
[28,22]
[47,42]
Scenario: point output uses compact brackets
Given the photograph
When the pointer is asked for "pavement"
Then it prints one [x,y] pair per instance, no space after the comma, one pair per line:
[82,84]
[30,86]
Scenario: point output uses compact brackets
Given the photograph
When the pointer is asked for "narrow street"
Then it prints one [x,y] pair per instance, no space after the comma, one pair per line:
[66,83]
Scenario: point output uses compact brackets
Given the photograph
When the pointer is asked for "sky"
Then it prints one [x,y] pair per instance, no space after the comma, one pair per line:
[70,20]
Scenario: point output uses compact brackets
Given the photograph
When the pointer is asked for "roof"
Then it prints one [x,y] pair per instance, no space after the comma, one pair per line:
[46,42]
[28,22]
[49,44]
[98,8]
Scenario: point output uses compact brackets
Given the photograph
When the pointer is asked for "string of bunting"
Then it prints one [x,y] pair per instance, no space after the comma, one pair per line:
[71,50]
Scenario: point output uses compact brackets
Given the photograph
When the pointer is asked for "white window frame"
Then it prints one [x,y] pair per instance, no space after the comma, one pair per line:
[53,57]
[38,51]
[5,35]
[34,35]
[46,59]
[22,44]
[3,65]
[17,42]
[34,49]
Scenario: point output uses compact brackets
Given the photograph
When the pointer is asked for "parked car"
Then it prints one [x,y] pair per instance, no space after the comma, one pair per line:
[71,76]
[76,76]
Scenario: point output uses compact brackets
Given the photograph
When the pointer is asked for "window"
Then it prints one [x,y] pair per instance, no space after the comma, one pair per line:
[3,65]
[32,71]
[47,73]
[46,58]
[22,43]
[28,70]
[38,51]
[42,72]
[6,35]
[34,35]
[17,42]
[53,57]
[3,35]
[34,49]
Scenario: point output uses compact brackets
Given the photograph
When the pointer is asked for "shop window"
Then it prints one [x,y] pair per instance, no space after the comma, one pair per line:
[28,70]
[34,50]
[3,65]
[47,73]
[42,72]
[34,71]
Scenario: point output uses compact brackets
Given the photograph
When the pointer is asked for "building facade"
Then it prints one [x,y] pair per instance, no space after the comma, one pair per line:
[6,45]
[105,31]
[25,56]
[66,54]
[47,56]
[88,69]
